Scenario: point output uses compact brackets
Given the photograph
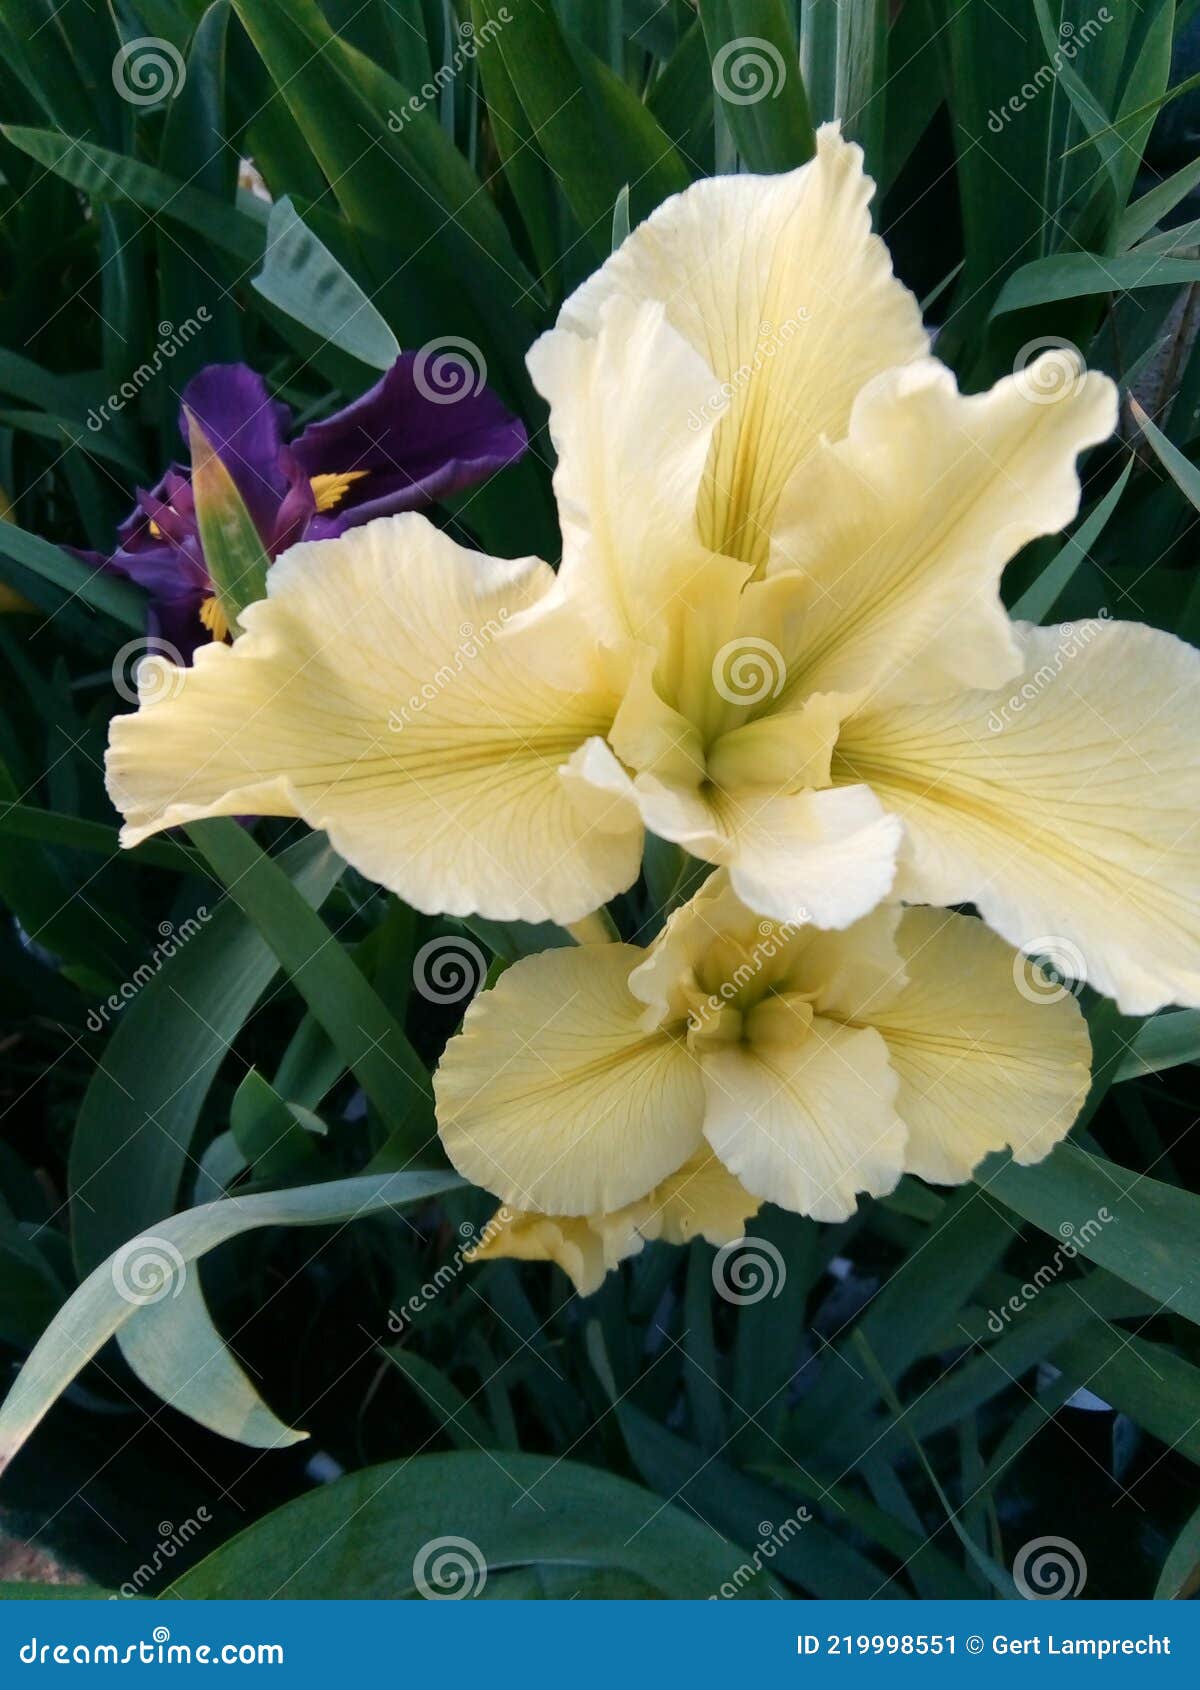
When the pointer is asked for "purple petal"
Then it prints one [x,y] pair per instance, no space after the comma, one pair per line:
[246,428]
[415,448]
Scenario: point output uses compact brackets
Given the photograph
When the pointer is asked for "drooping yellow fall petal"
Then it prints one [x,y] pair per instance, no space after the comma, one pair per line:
[701,1200]
[1064,806]
[780,286]
[378,694]
[988,1056]
[902,529]
[556,1098]
[811,1124]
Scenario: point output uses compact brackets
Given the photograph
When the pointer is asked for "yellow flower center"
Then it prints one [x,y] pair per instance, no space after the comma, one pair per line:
[214,618]
[329,490]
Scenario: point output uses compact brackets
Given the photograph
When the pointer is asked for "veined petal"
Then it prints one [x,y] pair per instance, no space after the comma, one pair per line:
[1065,807]
[903,528]
[631,444]
[807,1125]
[780,286]
[701,1200]
[378,694]
[983,1061]
[556,1098]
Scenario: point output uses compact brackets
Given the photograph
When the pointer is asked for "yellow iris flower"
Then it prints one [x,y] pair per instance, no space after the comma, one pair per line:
[610,1095]
[776,635]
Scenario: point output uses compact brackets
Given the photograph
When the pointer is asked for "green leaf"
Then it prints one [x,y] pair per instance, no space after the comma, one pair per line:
[1040,597]
[233,547]
[1146,213]
[147,1282]
[1182,470]
[1180,1569]
[1165,1041]
[133,1137]
[757,81]
[1151,1238]
[376,1533]
[302,277]
[366,1034]
[1078,275]
[119,599]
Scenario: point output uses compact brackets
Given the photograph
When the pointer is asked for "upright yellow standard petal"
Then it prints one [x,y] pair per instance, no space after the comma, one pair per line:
[902,529]
[1064,806]
[780,286]
[557,1098]
[379,694]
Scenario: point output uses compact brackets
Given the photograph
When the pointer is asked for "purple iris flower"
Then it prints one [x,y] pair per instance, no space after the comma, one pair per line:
[393,449]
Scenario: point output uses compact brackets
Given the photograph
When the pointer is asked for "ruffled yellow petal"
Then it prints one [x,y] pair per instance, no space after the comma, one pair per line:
[378,694]
[1065,806]
[701,1200]
[903,528]
[556,1098]
[987,1055]
[779,285]
[629,467]
[811,1124]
